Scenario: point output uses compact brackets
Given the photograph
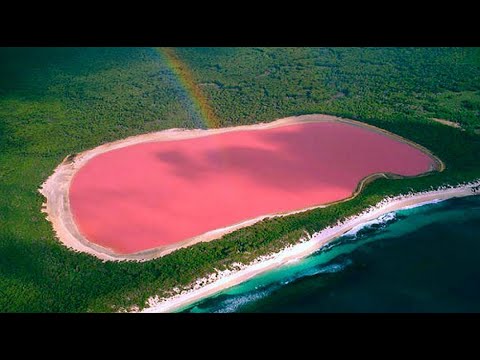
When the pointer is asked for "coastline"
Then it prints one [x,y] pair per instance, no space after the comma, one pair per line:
[56,188]
[219,281]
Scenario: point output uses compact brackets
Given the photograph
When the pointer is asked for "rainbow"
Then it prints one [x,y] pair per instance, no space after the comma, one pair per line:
[187,81]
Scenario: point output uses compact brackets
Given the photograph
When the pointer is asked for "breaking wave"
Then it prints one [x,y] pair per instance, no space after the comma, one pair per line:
[232,304]
[373,225]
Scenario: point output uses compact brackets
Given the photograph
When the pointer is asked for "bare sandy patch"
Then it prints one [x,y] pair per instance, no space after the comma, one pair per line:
[448,123]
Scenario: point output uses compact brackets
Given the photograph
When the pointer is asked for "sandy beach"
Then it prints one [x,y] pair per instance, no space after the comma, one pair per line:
[56,188]
[222,280]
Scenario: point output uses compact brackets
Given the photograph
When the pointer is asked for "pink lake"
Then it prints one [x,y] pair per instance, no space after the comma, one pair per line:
[154,194]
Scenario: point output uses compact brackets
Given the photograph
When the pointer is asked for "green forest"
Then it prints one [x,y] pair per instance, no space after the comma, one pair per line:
[60,101]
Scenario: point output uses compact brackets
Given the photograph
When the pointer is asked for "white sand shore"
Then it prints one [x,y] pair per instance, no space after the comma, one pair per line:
[222,280]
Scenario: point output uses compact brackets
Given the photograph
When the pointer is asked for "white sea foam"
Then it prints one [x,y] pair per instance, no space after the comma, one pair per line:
[232,304]
[384,219]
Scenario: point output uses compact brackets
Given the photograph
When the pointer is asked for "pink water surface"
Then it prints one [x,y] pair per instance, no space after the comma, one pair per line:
[155,194]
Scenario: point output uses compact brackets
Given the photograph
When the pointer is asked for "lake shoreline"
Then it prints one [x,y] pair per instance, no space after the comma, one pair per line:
[56,189]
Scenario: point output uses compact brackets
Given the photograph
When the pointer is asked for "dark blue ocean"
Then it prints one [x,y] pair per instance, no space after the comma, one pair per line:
[424,259]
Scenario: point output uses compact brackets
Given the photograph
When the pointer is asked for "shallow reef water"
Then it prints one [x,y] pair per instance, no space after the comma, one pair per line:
[421,259]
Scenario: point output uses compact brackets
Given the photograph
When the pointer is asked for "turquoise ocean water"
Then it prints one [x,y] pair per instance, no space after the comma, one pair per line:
[424,259]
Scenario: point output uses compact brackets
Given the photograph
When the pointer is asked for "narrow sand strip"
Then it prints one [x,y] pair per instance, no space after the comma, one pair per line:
[56,187]
[223,280]
[448,123]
